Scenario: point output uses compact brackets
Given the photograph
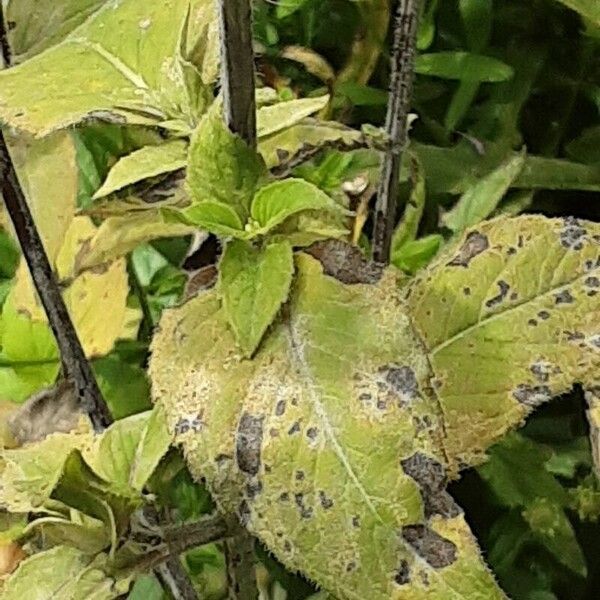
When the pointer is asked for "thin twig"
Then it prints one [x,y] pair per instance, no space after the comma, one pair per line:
[75,365]
[237,68]
[175,578]
[403,55]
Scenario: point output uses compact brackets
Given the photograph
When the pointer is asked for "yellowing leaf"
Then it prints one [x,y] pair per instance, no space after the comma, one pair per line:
[277,201]
[146,162]
[328,440]
[274,118]
[254,283]
[509,318]
[93,72]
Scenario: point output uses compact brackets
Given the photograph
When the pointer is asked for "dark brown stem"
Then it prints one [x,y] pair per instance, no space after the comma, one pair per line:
[401,84]
[175,578]
[237,68]
[75,365]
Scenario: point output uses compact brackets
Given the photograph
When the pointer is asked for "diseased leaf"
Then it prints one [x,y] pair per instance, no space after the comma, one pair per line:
[309,133]
[254,283]
[328,438]
[508,316]
[221,166]
[146,162]
[464,66]
[480,201]
[274,118]
[62,572]
[93,73]
[277,201]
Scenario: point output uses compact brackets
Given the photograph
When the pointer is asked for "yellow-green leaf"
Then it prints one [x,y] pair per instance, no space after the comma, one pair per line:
[146,162]
[273,118]
[509,318]
[254,283]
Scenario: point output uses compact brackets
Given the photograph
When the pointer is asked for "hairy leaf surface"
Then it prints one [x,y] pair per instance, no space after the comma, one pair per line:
[509,317]
[328,443]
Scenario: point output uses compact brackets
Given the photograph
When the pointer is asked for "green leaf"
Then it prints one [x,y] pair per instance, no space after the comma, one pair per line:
[552,529]
[9,256]
[310,436]
[480,201]
[413,212]
[119,235]
[506,316]
[146,162]
[216,217]
[222,168]
[274,118]
[309,133]
[153,445]
[146,587]
[586,147]
[477,22]
[254,283]
[289,7]
[516,473]
[92,73]
[277,201]
[416,254]
[62,572]
[588,9]
[463,66]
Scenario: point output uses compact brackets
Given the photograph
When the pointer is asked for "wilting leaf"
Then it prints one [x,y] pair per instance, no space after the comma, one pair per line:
[464,66]
[319,441]
[92,73]
[277,201]
[480,201]
[274,118]
[62,572]
[254,283]
[221,166]
[146,162]
[309,133]
[119,235]
[508,317]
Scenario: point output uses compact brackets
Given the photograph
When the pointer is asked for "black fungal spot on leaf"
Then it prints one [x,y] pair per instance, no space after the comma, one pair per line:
[355,521]
[280,408]
[306,512]
[185,424]
[325,501]
[532,323]
[533,396]
[253,489]
[248,443]
[351,566]
[299,475]
[402,380]
[467,291]
[295,428]
[402,576]
[312,433]
[430,476]
[593,282]
[475,244]
[438,551]
[504,287]
[564,297]
[572,235]
[544,315]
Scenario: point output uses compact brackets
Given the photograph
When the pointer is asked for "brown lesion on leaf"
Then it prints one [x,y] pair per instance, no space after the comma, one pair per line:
[572,234]
[475,244]
[306,512]
[564,297]
[391,385]
[325,501]
[249,442]
[532,395]
[436,550]
[402,575]
[543,370]
[345,262]
[501,296]
[430,476]
[280,408]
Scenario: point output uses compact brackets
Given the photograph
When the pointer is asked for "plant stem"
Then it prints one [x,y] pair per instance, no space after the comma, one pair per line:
[75,365]
[237,68]
[401,84]
[175,578]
